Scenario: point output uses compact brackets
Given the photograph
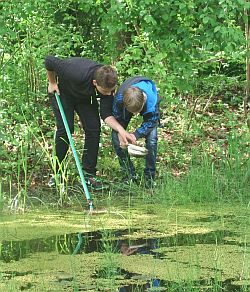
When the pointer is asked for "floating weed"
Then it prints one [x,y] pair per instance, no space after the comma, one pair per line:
[133,244]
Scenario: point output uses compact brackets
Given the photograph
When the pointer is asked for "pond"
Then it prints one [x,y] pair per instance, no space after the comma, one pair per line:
[141,246]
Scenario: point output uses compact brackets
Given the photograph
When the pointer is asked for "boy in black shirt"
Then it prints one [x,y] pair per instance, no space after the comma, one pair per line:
[80,82]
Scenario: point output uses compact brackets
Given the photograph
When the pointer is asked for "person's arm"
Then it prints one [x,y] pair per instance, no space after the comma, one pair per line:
[114,124]
[108,117]
[124,137]
[107,106]
[150,120]
[51,64]
[52,87]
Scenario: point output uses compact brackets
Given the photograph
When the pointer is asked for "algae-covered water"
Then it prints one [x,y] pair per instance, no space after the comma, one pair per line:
[141,246]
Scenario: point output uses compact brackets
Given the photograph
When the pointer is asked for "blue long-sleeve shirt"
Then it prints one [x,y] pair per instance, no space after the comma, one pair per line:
[150,111]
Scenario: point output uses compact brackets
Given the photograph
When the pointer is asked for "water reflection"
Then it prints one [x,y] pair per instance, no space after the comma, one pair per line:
[118,242]
[144,248]
[88,242]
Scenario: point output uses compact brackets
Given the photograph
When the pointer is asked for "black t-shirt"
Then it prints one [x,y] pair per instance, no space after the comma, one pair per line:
[75,80]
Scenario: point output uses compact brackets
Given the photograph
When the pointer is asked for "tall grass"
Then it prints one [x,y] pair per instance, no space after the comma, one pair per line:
[208,179]
[1,198]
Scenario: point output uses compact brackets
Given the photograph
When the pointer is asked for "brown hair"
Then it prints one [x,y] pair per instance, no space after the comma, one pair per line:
[106,76]
[133,99]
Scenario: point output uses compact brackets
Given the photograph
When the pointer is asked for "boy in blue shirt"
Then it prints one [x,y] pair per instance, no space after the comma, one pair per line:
[137,95]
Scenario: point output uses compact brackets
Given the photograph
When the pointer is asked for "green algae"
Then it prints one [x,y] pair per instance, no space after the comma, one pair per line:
[190,261]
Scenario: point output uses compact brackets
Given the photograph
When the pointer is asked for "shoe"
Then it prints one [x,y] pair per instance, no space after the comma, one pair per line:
[96,184]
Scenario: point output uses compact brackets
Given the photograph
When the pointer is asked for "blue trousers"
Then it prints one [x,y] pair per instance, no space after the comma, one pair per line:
[150,160]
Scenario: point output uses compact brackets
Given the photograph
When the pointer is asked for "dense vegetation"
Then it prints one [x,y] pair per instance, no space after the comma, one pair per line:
[194,50]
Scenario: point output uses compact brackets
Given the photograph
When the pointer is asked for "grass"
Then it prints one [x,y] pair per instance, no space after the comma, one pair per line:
[223,176]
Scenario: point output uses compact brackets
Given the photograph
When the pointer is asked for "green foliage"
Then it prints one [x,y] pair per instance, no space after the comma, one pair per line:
[166,39]
[191,49]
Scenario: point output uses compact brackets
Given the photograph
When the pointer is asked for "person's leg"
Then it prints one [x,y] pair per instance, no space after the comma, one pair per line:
[89,116]
[151,145]
[61,138]
[123,157]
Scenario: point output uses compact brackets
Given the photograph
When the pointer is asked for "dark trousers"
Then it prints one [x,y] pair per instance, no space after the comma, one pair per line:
[88,112]
[124,159]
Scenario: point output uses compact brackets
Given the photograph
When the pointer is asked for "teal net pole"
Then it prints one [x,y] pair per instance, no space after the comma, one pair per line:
[78,164]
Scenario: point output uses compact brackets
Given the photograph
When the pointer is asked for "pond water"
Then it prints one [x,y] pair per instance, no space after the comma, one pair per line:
[144,247]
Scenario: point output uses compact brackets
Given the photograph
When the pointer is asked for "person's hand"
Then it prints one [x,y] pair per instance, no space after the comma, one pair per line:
[53,87]
[125,138]
[122,136]
[132,138]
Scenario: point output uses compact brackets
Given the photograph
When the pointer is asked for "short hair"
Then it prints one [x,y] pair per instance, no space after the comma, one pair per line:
[106,76]
[133,99]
